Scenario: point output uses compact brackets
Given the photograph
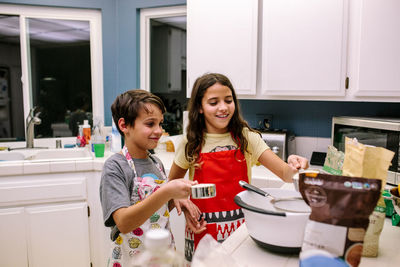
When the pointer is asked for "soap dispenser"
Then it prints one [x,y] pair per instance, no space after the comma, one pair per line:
[86,131]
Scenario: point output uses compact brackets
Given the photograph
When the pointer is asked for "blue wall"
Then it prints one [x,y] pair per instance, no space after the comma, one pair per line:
[120,19]
[312,118]
[120,22]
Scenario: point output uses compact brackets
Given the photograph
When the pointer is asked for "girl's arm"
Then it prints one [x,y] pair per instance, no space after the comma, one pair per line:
[132,217]
[283,170]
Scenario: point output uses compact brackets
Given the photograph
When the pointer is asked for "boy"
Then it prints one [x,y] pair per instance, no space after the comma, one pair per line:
[133,189]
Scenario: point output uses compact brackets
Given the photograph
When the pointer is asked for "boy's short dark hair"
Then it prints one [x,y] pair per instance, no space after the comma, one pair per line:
[127,105]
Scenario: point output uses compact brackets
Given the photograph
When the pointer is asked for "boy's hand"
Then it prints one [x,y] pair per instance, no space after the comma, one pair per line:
[180,188]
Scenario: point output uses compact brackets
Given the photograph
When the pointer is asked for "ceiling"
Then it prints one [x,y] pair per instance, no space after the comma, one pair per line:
[48,31]
[44,31]
[179,22]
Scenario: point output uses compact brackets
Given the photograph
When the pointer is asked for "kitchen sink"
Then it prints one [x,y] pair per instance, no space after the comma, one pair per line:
[45,154]
[60,153]
[11,155]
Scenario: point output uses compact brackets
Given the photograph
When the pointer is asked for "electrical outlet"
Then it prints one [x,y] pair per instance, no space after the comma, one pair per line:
[264,121]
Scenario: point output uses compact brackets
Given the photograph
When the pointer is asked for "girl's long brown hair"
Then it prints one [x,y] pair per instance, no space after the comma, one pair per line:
[197,126]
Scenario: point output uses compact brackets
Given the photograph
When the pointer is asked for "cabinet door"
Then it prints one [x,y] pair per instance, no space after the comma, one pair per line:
[175,60]
[58,235]
[12,241]
[376,49]
[166,59]
[222,37]
[304,45]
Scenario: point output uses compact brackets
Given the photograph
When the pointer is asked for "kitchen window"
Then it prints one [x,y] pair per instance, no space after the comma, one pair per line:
[50,60]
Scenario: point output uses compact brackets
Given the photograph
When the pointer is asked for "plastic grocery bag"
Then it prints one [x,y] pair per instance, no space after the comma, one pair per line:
[211,253]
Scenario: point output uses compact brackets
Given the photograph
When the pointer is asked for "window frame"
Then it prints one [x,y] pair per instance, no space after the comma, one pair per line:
[93,17]
[146,15]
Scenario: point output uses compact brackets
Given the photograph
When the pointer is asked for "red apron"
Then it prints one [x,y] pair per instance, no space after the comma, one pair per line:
[225,169]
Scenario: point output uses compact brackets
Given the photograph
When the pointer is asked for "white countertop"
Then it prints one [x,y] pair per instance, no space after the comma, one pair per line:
[247,253]
[261,176]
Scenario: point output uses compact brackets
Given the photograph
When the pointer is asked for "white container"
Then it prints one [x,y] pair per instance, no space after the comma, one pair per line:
[158,251]
[116,143]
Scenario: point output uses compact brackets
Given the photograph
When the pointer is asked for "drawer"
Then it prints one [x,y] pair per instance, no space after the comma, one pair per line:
[42,191]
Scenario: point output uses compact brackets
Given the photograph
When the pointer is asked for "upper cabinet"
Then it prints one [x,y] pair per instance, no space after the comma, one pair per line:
[337,50]
[222,37]
[304,48]
[374,68]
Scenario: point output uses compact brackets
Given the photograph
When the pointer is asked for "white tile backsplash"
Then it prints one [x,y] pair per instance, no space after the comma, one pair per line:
[306,145]
[7,168]
[63,166]
[36,167]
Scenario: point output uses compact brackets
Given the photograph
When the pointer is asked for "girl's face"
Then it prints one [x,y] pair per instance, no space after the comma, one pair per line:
[145,132]
[218,107]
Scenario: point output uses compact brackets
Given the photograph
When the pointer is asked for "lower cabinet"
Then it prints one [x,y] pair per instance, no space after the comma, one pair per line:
[45,220]
[45,235]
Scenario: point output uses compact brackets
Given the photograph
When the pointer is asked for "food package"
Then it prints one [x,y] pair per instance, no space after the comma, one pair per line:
[340,210]
[369,162]
[333,161]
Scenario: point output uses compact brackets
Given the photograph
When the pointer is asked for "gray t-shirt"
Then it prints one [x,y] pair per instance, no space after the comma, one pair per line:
[117,183]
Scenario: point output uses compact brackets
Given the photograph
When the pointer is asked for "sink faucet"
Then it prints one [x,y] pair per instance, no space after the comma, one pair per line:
[31,120]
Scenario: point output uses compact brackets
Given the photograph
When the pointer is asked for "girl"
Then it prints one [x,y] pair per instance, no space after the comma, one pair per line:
[221,148]
[133,189]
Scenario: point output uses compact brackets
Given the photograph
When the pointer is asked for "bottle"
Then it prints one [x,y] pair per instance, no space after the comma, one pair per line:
[98,144]
[115,139]
[158,251]
[80,139]
[86,131]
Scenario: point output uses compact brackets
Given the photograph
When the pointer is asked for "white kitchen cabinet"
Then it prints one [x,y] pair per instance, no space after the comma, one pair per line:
[307,50]
[58,235]
[222,37]
[374,65]
[304,45]
[44,220]
[166,59]
[13,242]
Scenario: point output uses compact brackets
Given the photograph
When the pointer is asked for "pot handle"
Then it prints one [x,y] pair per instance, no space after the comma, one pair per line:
[243,205]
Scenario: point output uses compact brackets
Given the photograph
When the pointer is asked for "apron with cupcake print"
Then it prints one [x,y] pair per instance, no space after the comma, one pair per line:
[128,245]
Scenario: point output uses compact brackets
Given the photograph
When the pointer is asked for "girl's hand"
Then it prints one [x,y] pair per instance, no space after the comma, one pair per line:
[197,226]
[192,214]
[297,162]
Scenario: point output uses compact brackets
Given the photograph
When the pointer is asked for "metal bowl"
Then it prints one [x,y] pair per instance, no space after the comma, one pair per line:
[201,191]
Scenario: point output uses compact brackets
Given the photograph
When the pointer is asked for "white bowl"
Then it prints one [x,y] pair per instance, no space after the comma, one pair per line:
[277,231]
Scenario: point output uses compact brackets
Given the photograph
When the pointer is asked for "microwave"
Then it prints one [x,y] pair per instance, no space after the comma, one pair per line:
[379,132]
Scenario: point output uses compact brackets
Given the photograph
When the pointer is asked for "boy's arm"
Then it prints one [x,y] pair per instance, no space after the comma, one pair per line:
[132,217]
[176,172]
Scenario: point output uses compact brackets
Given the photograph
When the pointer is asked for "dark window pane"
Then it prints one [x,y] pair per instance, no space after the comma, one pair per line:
[11,99]
[60,75]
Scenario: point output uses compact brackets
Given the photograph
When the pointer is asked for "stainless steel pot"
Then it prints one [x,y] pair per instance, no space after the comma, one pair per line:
[272,229]
[202,191]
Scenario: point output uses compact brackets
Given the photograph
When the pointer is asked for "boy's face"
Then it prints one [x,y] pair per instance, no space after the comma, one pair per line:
[145,132]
